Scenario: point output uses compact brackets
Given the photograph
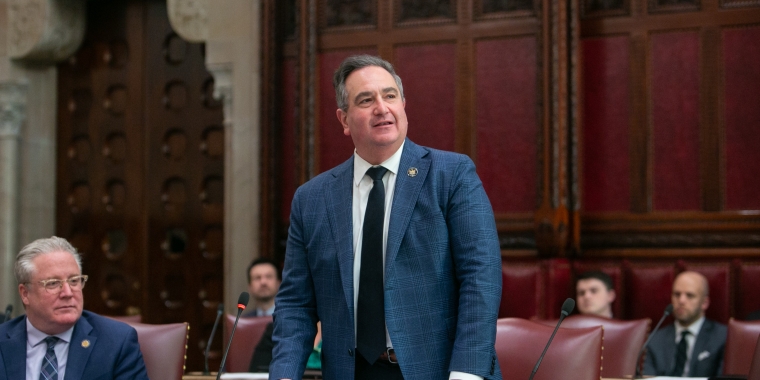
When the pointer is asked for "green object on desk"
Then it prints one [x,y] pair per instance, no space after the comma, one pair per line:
[315,359]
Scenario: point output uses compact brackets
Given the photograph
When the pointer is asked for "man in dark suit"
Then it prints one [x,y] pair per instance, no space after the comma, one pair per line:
[56,339]
[440,262]
[693,345]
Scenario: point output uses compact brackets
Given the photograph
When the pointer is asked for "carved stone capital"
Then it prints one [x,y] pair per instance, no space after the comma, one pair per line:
[12,107]
[45,30]
[189,18]
[222,74]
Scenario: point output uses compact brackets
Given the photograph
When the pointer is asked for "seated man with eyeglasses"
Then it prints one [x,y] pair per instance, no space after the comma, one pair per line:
[56,339]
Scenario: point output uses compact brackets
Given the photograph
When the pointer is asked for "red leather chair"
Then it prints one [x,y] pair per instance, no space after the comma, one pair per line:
[247,336]
[622,342]
[754,369]
[740,343]
[164,348]
[519,343]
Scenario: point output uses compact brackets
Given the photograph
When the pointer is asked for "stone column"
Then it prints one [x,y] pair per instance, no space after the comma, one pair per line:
[231,31]
[34,35]
[12,113]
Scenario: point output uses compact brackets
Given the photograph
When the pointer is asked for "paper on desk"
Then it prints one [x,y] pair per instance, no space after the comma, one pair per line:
[244,376]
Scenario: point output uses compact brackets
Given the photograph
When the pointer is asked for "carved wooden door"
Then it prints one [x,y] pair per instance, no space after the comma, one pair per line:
[140,166]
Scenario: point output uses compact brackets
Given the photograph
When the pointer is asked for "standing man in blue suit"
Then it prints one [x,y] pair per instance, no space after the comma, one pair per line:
[440,270]
[692,346]
[56,339]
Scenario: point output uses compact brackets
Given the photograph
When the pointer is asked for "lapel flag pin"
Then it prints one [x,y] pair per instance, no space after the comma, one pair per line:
[412,172]
[85,343]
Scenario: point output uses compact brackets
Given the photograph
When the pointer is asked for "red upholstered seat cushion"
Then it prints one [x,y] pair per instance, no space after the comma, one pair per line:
[247,335]
[164,348]
[740,343]
[622,342]
[519,344]
[521,290]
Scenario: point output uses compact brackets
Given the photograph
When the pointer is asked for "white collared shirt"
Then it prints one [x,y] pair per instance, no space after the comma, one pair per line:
[694,329]
[36,348]
[362,185]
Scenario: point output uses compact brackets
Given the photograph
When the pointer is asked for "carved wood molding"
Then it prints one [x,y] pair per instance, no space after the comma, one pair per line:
[12,107]
[663,240]
[189,18]
[222,74]
[45,30]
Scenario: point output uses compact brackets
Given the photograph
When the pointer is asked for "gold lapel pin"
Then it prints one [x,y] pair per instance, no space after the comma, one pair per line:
[412,172]
[85,343]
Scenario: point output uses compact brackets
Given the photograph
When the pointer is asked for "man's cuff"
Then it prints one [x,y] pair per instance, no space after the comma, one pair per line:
[463,376]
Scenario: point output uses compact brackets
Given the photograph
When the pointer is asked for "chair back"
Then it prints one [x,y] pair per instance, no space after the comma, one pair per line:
[741,340]
[164,348]
[754,369]
[127,318]
[519,343]
[247,335]
[622,342]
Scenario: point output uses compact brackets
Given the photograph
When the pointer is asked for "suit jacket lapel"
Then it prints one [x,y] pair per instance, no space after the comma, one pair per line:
[339,198]
[80,347]
[700,345]
[13,347]
[408,187]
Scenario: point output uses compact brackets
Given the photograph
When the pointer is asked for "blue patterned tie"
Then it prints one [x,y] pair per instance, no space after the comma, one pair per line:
[50,362]
[370,331]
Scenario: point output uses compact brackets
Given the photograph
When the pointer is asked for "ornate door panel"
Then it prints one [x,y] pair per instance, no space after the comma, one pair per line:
[140,166]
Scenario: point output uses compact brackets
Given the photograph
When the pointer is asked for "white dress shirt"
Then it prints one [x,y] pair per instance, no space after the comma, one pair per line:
[690,340]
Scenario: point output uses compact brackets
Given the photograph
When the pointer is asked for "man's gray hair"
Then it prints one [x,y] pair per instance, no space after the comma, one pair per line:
[354,63]
[25,267]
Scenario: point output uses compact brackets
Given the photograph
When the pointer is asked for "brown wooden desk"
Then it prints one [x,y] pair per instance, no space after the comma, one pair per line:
[308,375]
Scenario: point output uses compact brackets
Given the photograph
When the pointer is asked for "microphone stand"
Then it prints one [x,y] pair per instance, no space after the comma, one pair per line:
[567,307]
[668,310]
[242,302]
[219,312]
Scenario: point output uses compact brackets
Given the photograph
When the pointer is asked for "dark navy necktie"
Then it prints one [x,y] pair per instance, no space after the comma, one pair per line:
[370,331]
[681,354]
[49,369]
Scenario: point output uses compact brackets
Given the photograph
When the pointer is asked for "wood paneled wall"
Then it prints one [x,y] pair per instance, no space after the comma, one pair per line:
[490,79]
[600,128]
[669,119]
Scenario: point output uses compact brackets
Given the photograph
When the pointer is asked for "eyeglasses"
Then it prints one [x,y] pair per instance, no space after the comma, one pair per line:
[54,285]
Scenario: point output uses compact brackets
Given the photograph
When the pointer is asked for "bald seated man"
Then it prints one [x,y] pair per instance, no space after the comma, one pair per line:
[693,345]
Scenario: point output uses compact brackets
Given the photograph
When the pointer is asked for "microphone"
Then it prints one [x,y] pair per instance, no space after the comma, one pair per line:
[567,308]
[219,312]
[242,302]
[668,310]
[8,311]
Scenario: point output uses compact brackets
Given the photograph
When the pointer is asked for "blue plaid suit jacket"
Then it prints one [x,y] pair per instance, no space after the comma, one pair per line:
[442,272]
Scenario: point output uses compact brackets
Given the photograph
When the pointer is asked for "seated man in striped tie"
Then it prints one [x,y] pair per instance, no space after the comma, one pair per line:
[56,339]
[693,345]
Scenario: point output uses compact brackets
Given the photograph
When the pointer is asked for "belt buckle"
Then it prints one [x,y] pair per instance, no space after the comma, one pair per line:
[388,353]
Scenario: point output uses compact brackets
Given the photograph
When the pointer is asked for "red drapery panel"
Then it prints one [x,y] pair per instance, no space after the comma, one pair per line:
[606,110]
[675,117]
[507,126]
[428,73]
[741,54]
